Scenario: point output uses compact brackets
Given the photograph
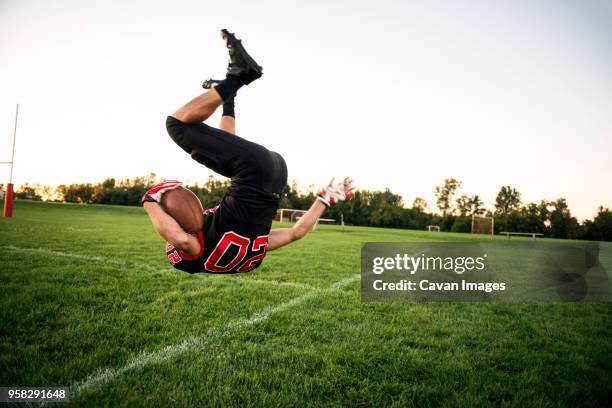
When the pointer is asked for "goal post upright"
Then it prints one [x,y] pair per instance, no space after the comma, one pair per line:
[292,215]
[8,197]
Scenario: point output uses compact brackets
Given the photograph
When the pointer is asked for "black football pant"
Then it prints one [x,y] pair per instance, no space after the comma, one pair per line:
[257,174]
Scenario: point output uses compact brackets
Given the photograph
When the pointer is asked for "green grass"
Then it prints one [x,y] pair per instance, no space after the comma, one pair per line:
[86,288]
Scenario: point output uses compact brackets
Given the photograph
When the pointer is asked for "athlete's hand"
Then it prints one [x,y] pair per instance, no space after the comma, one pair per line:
[156,192]
[335,192]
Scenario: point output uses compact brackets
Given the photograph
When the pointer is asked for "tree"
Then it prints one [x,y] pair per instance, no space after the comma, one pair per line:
[533,217]
[413,218]
[445,193]
[469,205]
[46,193]
[507,201]
[477,205]
[600,229]
[385,208]
[420,204]
[108,183]
[28,192]
[562,224]
[461,224]
[76,193]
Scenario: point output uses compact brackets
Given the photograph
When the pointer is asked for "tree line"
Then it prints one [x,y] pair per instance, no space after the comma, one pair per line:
[368,208]
[115,192]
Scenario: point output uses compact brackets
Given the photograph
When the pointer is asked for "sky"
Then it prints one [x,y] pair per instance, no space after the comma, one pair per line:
[397,94]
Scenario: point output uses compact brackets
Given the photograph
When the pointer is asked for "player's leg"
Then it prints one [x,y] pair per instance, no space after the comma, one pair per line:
[199,108]
[228,117]
[219,150]
[242,70]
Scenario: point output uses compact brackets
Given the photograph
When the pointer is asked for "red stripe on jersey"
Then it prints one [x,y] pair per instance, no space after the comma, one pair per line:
[210,210]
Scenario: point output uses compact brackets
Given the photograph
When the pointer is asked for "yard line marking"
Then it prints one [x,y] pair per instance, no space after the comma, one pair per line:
[178,293]
[66,255]
[103,376]
[146,267]
[272,282]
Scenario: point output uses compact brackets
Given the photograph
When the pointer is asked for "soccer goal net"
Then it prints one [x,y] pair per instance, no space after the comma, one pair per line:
[289,215]
[482,225]
[292,216]
[435,228]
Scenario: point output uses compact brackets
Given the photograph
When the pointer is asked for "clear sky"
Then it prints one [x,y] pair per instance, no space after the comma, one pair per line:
[397,94]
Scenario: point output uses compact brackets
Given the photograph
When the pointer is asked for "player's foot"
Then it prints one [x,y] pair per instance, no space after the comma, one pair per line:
[241,63]
[211,83]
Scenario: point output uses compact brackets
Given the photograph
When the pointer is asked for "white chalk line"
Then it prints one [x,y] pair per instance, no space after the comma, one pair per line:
[272,282]
[144,359]
[66,255]
[150,268]
[103,376]
[198,289]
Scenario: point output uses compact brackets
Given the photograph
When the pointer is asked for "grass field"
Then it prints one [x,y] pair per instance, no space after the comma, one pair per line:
[89,301]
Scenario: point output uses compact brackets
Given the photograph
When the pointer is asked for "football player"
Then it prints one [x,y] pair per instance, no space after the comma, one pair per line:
[235,235]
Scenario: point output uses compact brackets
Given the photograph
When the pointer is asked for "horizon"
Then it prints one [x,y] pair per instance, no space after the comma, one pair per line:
[304,189]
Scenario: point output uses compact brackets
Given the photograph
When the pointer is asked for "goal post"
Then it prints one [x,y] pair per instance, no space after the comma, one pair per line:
[434,228]
[291,215]
[483,225]
[288,215]
[9,195]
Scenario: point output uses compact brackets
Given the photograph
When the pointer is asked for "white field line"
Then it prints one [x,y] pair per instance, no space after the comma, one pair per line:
[103,376]
[271,282]
[191,292]
[149,268]
[66,255]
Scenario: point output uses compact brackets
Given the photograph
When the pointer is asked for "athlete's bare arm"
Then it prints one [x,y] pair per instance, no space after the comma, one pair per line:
[170,230]
[280,237]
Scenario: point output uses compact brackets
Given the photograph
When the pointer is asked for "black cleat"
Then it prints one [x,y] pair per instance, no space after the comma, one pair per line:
[241,63]
[211,83]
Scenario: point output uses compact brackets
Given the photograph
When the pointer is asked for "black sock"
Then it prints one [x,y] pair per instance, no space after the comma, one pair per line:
[228,107]
[229,86]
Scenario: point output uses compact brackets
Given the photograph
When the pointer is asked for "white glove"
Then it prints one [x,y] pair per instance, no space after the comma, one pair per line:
[335,192]
[155,193]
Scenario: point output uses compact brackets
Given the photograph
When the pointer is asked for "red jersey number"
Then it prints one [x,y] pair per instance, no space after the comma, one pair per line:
[174,257]
[260,243]
[231,238]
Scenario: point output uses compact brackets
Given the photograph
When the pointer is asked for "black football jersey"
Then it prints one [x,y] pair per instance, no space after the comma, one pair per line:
[230,241]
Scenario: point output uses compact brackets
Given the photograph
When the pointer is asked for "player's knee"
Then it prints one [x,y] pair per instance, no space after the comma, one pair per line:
[182,115]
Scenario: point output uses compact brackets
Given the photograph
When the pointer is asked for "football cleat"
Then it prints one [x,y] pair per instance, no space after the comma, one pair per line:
[241,63]
[211,83]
